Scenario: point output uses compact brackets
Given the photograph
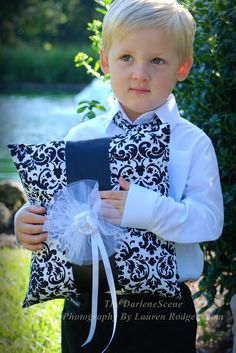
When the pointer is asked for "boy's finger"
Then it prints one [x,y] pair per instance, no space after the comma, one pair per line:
[31,228]
[111,204]
[123,183]
[34,239]
[33,218]
[110,213]
[32,247]
[36,209]
[114,221]
[113,195]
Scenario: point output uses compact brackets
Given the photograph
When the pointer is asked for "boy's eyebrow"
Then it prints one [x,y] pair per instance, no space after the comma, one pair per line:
[123,50]
[129,51]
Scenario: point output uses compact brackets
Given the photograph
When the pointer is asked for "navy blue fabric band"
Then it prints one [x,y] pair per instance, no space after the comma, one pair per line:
[88,160]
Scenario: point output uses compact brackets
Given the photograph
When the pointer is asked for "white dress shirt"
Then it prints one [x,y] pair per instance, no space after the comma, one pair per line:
[194,211]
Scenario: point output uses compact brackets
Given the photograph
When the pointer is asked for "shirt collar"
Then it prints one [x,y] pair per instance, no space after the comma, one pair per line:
[168,112]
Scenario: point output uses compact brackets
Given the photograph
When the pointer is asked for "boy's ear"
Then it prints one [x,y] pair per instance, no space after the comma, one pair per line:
[104,62]
[184,69]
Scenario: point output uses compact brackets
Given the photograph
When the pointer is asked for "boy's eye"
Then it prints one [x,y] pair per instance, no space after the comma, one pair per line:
[158,61]
[127,58]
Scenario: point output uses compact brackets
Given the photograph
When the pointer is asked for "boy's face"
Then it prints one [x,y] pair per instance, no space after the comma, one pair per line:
[144,68]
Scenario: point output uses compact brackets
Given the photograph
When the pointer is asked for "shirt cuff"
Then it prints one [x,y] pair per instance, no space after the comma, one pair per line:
[139,207]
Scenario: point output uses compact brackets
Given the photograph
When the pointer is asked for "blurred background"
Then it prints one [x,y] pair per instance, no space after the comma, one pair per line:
[39,82]
[40,89]
[39,40]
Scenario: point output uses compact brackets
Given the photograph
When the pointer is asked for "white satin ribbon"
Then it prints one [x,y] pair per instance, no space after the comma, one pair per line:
[98,245]
[74,218]
[85,222]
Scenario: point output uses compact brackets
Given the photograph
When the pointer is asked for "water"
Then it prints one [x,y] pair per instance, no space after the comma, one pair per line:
[40,118]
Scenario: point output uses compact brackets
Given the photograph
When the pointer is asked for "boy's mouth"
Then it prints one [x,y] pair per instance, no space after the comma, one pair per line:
[140,90]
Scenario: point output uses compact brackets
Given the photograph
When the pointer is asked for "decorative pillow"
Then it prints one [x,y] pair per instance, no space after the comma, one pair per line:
[143,262]
[44,171]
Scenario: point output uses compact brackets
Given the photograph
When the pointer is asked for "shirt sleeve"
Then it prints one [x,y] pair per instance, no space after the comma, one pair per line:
[72,134]
[197,217]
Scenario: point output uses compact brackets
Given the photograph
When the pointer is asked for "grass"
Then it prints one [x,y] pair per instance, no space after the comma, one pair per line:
[37,329]
[32,330]
[7,168]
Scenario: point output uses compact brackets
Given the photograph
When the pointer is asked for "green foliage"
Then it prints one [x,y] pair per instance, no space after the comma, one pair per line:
[35,21]
[88,107]
[103,6]
[34,329]
[95,27]
[85,61]
[207,99]
[82,59]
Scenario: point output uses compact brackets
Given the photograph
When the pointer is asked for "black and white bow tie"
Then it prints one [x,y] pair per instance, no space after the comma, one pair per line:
[125,125]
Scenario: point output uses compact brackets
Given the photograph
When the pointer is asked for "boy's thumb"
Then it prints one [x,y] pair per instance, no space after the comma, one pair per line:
[124,184]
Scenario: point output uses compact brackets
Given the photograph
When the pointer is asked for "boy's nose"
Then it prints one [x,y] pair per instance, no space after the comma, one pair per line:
[140,72]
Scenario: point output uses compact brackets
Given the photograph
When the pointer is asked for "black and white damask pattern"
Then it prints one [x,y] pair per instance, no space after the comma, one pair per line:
[145,263]
[41,169]
[43,172]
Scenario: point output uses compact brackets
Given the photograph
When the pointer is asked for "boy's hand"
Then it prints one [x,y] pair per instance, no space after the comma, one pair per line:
[113,202]
[28,227]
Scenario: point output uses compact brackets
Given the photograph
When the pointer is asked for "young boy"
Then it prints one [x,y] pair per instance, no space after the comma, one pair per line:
[146,49]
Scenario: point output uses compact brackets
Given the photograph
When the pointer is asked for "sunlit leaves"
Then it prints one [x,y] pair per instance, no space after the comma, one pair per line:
[88,108]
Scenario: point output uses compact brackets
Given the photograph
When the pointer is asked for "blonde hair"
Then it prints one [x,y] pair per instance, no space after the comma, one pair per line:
[125,16]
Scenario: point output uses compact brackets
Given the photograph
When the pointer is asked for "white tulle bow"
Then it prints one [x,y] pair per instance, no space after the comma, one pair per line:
[74,218]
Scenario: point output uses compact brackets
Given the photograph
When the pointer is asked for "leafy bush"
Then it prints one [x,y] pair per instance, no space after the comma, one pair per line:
[207,99]
[36,21]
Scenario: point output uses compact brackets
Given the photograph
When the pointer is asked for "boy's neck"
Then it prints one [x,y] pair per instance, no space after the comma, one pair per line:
[145,115]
